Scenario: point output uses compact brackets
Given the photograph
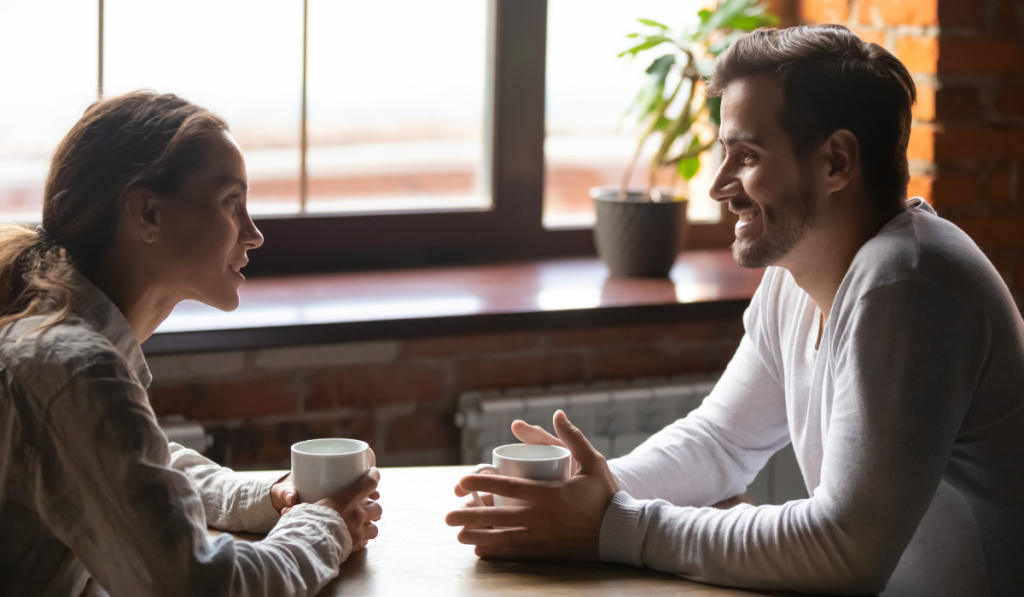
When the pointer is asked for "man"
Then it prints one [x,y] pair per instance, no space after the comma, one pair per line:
[881,343]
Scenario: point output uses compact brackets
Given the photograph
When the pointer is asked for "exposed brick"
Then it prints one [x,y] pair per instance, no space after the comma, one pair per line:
[901,12]
[1011,99]
[871,36]
[509,372]
[979,56]
[269,445]
[365,386]
[1006,20]
[965,143]
[825,11]
[226,400]
[922,143]
[957,103]
[954,189]
[593,337]
[998,186]
[649,362]
[918,54]
[924,108]
[994,232]
[468,345]
[962,13]
[920,186]
[430,431]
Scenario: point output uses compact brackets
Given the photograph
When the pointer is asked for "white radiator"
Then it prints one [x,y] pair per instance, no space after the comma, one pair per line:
[616,418]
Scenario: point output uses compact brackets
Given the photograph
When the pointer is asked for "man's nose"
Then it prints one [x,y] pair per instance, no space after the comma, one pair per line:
[725,184]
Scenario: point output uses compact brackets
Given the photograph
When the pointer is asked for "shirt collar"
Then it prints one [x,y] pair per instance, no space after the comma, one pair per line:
[96,309]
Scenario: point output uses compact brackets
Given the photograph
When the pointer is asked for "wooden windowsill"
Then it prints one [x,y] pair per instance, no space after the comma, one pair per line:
[389,305]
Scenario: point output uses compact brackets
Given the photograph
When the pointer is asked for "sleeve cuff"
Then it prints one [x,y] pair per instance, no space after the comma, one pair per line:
[622,534]
[256,510]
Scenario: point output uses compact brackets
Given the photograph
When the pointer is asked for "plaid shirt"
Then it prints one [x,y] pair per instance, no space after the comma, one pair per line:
[90,487]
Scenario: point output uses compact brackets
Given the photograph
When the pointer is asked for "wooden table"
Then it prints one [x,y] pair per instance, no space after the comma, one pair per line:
[417,554]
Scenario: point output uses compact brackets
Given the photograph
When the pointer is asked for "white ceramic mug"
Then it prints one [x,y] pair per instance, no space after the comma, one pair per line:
[525,461]
[321,467]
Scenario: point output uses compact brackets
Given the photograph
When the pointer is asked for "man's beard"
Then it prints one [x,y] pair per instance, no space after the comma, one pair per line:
[781,230]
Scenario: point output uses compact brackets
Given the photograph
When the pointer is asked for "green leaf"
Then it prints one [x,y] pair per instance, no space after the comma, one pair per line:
[651,97]
[705,15]
[633,35]
[688,168]
[647,44]
[714,110]
[662,123]
[651,23]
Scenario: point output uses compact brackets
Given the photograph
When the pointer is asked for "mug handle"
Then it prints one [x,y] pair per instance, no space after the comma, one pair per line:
[482,468]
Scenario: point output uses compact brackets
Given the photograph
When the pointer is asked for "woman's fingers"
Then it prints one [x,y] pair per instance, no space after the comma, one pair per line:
[373,511]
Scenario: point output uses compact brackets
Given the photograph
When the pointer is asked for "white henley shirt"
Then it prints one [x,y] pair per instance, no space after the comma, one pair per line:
[907,423]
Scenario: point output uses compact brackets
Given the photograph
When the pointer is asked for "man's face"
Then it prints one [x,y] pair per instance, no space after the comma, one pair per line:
[770,190]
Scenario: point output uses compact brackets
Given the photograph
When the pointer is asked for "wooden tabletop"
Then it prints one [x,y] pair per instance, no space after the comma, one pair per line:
[416,553]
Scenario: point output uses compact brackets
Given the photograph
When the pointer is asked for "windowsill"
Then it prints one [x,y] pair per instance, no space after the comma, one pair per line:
[389,305]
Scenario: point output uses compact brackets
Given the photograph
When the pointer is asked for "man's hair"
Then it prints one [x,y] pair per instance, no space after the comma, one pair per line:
[831,80]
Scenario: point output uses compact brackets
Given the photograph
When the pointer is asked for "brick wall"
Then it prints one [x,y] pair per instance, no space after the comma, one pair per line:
[401,397]
[967,147]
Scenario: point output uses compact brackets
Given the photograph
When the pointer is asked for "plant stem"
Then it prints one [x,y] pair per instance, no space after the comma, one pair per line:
[624,188]
[673,131]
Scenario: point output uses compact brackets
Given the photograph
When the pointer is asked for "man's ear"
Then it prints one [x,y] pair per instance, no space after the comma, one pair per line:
[142,213]
[842,160]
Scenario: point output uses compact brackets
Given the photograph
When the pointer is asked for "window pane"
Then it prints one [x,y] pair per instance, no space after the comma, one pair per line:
[590,138]
[48,63]
[396,104]
[240,58]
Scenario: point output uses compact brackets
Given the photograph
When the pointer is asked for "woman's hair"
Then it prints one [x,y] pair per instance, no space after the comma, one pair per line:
[139,139]
[831,80]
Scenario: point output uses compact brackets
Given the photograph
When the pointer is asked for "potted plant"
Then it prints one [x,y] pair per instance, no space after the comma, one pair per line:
[639,231]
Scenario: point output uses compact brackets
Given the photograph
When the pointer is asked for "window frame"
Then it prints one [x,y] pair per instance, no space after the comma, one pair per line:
[511,229]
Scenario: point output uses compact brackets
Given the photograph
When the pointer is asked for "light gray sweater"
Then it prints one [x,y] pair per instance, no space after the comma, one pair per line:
[908,424]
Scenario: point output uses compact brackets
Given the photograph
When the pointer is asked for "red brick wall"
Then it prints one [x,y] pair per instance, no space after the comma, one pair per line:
[401,397]
[967,146]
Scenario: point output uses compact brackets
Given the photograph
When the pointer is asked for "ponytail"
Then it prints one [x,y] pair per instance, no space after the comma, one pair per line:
[139,139]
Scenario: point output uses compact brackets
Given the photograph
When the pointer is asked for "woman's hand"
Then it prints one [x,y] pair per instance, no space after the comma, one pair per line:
[356,506]
[283,494]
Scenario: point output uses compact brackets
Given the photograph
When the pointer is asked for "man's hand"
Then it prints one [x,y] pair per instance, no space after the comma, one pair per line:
[355,504]
[562,519]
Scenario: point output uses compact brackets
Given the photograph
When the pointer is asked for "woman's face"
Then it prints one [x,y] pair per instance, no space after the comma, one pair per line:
[205,229]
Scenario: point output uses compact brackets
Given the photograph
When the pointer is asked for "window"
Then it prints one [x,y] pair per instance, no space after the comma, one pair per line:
[48,71]
[396,132]
[590,138]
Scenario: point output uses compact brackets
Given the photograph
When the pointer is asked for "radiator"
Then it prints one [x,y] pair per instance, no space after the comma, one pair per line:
[615,417]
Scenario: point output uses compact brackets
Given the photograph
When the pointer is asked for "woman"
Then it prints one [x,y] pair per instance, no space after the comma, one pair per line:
[144,207]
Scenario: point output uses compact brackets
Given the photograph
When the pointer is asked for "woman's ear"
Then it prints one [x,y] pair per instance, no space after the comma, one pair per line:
[842,160]
[142,213]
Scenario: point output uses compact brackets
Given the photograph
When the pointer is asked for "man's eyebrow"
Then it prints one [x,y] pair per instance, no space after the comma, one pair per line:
[741,138]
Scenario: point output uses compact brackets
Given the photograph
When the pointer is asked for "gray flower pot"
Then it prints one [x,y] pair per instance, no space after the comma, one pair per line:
[637,238]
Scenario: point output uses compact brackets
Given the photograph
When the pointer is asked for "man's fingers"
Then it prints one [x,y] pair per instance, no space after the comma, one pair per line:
[582,451]
[533,434]
[460,492]
[506,516]
[520,489]
[497,537]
